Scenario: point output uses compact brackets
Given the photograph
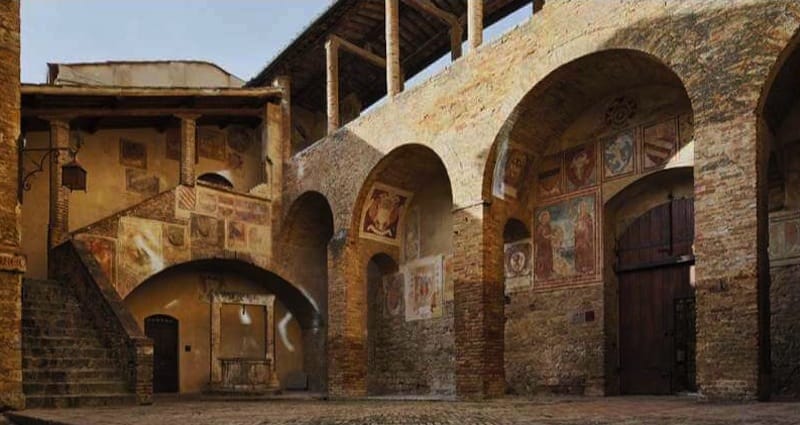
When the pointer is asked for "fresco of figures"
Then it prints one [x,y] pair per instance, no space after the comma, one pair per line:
[424,288]
[393,294]
[566,241]
[517,265]
[784,238]
[384,212]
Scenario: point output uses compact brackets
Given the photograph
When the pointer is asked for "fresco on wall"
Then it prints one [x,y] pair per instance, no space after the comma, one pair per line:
[132,154]
[240,138]
[618,154]
[515,166]
[383,213]
[784,238]
[411,244]
[517,261]
[566,241]
[424,282]
[173,144]
[549,178]
[104,251]
[580,166]
[140,251]
[138,181]
[205,230]
[210,284]
[235,236]
[393,294]
[659,144]
[176,244]
[258,241]
[235,163]
[211,144]
[185,201]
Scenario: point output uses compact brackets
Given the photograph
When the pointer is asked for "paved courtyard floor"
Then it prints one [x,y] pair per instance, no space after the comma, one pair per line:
[614,410]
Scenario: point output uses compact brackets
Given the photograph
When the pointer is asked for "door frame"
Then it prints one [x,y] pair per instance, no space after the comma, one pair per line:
[177,350]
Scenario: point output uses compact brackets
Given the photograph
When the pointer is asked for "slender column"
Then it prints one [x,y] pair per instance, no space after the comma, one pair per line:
[269,322]
[475,23]
[58,227]
[394,83]
[188,148]
[332,78]
[12,264]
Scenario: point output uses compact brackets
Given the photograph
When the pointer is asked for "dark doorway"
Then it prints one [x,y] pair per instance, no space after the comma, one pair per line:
[656,301]
[163,330]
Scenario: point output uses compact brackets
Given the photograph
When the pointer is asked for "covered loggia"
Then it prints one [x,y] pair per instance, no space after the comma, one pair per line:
[581,135]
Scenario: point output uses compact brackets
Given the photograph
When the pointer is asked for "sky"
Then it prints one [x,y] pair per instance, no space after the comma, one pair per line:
[241,36]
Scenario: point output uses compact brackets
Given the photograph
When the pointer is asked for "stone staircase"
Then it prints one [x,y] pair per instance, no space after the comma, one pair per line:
[65,362]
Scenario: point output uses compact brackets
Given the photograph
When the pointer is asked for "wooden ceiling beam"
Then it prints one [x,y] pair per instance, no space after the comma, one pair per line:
[456,32]
[359,51]
[139,112]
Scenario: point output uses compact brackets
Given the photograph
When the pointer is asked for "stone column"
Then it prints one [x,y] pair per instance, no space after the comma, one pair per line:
[475,23]
[347,343]
[58,227]
[12,264]
[188,147]
[394,83]
[332,84]
[478,286]
[730,248]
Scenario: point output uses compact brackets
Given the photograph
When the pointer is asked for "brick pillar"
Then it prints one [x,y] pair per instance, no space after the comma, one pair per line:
[347,345]
[730,242]
[475,23]
[478,285]
[58,227]
[394,83]
[188,148]
[12,264]
[332,84]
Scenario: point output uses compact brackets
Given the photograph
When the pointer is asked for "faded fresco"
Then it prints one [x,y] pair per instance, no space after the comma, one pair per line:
[618,155]
[205,230]
[517,260]
[140,251]
[580,166]
[784,238]
[104,251]
[516,163]
[658,144]
[138,181]
[132,154]
[548,180]
[176,244]
[240,138]
[566,242]
[173,144]
[383,213]
[424,288]
[411,246]
[211,144]
[393,295]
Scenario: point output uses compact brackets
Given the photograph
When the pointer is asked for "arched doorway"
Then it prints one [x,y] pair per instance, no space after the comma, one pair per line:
[656,301]
[163,330]
[584,133]
[384,314]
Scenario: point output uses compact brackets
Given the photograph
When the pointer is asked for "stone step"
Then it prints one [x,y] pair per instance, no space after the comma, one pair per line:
[74,387]
[40,304]
[67,375]
[56,322]
[48,363]
[67,352]
[34,331]
[79,400]
[61,341]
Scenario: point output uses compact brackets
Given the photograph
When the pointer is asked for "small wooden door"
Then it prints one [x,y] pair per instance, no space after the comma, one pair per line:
[656,301]
[163,330]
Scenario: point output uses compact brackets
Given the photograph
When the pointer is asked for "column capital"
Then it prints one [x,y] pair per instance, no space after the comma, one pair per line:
[187,116]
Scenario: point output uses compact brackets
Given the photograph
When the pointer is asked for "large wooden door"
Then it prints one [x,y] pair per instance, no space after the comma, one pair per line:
[163,330]
[656,301]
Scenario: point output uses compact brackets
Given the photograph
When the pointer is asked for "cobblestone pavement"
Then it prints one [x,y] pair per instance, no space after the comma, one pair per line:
[615,410]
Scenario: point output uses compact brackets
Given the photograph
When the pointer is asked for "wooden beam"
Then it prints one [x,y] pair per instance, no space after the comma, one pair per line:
[332,83]
[361,52]
[137,112]
[394,82]
[475,23]
[456,33]
[42,91]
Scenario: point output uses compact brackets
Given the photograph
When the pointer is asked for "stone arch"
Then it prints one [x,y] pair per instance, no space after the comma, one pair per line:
[406,197]
[581,134]
[303,259]
[184,290]
[778,138]
[216,179]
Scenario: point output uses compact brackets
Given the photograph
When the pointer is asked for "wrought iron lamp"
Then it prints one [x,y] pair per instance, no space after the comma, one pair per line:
[73,175]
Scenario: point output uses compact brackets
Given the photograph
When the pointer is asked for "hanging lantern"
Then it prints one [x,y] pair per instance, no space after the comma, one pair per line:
[73,176]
